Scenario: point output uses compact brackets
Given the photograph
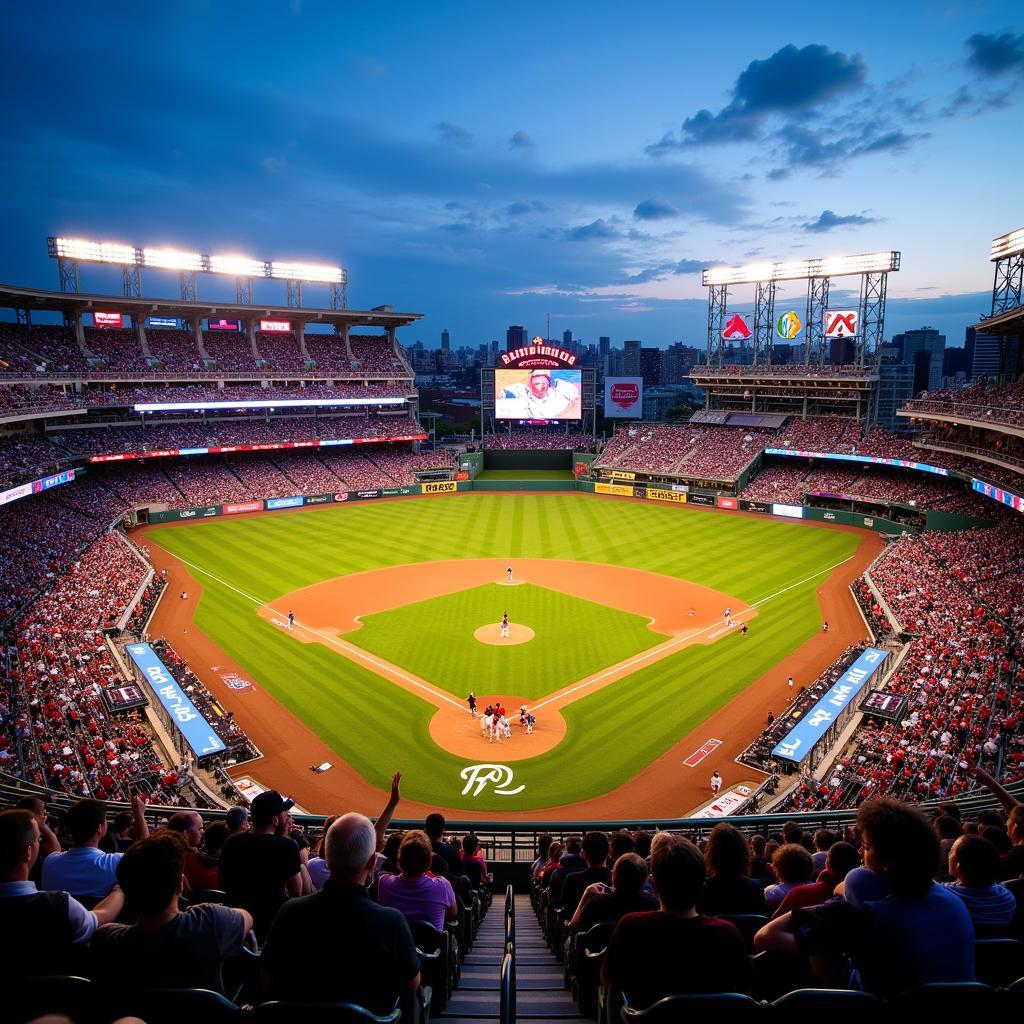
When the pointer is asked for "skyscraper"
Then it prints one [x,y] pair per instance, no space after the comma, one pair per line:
[604,346]
[650,366]
[567,339]
[515,337]
[446,341]
[632,359]
[923,350]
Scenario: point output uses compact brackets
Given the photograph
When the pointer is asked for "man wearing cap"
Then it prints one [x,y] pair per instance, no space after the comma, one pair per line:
[259,870]
[542,397]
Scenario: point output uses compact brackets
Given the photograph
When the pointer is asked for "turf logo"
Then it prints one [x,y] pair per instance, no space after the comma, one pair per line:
[479,775]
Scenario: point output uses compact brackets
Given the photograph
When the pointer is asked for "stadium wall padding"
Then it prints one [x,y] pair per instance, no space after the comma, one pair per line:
[939,520]
[524,485]
[528,459]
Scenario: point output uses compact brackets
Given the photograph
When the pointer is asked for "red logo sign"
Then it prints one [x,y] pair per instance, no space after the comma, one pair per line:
[243,506]
[341,496]
[840,323]
[735,328]
[625,395]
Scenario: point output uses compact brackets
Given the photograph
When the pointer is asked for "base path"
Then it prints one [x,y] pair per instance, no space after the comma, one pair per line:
[662,788]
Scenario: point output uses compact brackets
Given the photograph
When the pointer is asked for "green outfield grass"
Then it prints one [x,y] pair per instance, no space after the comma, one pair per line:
[614,732]
[573,639]
[525,474]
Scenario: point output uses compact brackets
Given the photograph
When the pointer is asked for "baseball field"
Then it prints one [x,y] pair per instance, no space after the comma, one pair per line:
[617,643]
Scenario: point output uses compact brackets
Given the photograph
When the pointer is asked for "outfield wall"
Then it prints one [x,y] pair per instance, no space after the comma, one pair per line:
[498,459]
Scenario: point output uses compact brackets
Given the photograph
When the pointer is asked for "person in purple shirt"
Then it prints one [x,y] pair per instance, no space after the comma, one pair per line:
[418,895]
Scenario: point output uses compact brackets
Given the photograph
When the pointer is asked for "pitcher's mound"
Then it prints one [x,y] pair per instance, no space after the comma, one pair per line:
[491,634]
[509,583]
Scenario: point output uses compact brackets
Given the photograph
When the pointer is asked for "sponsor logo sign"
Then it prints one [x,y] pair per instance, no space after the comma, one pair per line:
[187,513]
[623,397]
[788,325]
[391,492]
[727,503]
[788,511]
[736,329]
[840,323]
[640,491]
[440,487]
[367,494]
[169,322]
[868,521]
[477,777]
[285,502]
[318,499]
[224,325]
[232,680]
[193,727]
[539,353]
[621,474]
[1004,497]
[108,319]
[756,506]
[726,804]
[829,516]
[462,474]
[681,488]
[242,506]
[800,740]
[700,499]
[275,326]
[341,496]
[621,489]
[659,494]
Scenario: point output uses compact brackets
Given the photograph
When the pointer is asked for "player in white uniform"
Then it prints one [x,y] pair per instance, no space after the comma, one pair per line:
[716,783]
[504,626]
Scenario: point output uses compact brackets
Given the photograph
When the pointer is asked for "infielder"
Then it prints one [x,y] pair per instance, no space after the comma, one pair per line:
[291,619]
[471,701]
[504,626]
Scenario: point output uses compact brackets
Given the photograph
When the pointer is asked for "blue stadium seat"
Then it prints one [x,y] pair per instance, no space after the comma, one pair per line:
[998,962]
[747,924]
[323,1013]
[673,1009]
[79,998]
[828,1000]
[947,1000]
[174,1005]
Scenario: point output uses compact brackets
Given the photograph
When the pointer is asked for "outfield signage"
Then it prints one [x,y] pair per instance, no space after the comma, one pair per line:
[756,506]
[440,487]
[658,494]
[293,502]
[700,499]
[724,502]
[242,506]
[36,486]
[620,474]
[623,397]
[1015,501]
[264,403]
[195,729]
[621,489]
[787,511]
[922,467]
[730,802]
[216,450]
[801,739]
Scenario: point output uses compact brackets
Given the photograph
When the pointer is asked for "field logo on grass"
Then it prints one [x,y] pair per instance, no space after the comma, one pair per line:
[480,774]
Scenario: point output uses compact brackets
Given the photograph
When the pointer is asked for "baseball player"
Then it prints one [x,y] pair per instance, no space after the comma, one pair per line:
[486,716]
[471,701]
[291,619]
[716,783]
[530,723]
[693,612]
[489,721]
[504,728]
[522,715]
[504,626]
[727,615]
[789,682]
[509,575]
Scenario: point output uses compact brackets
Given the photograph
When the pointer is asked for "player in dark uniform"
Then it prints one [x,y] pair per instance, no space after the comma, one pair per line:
[471,701]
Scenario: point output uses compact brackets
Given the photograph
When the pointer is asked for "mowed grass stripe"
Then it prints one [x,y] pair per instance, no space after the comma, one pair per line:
[613,732]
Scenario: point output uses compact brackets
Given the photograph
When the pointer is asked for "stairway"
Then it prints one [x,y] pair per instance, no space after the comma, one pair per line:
[540,993]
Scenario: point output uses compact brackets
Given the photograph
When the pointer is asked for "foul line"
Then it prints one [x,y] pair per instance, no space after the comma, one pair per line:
[660,651]
[341,646]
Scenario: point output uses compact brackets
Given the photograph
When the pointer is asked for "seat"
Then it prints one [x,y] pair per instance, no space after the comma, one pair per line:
[828,1000]
[204,896]
[435,952]
[775,974]
[946,1000]
[998,962]
[673,1009]
[584,964]
[747,924]
[279,1012]
[174,1005]
[78,998]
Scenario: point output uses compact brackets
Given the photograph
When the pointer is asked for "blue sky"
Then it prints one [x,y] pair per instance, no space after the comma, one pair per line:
[488,166]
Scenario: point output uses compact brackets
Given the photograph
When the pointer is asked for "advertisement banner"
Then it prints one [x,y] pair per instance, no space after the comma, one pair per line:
[700,499]
[789,511]
[640,491]
[884,704]
[623,397]
[36,486]
[621,489]
[800,740]
[364,494]
[193,727]
[621,474]
[462,474]
[242,506]
[275,326]
[757,506]
[108,319]
[124,698]
[922,467]
[1015,501]
[223,325]
[440,487]
[723,502]
[169,323]
[232,680]
[658,494]
[728,803]
[294,502]
[319,499]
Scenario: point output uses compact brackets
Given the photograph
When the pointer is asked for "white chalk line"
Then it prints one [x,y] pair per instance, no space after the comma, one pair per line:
[340,645]
[658,651]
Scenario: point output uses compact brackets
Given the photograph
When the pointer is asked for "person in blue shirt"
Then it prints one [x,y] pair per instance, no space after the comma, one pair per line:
[919,933]
[974,863]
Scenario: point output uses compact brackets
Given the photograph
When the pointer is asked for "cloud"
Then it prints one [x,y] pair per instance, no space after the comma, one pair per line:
[827,150]
[520,140]
[599,228]
[654,209]
[521,208]
[827,220]
[994,55]
[454,134]
[692,266]
[790,81]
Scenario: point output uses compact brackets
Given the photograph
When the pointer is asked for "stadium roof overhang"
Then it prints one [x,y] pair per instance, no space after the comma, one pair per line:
[1010,321]
[75,303]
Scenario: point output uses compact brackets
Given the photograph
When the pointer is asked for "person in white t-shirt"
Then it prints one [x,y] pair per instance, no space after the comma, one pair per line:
[716,783]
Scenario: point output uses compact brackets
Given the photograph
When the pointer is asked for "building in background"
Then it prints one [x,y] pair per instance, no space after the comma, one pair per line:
[895,387]
[446,341]
[604,345]
[515,337]
[650,366]
[631,360]
[923,349]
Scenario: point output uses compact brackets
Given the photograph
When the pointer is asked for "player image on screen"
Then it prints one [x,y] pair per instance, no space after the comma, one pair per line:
[538,394]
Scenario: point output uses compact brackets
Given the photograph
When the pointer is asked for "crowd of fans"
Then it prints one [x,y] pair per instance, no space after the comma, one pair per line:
[991,403]
[117,349]
[540,439]
[281,351]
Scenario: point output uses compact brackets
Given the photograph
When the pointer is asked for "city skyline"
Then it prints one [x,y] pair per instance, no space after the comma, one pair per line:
[465,172]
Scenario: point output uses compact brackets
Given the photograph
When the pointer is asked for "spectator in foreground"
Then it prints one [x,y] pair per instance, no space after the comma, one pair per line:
[595,853]
[543,845]
[418,895]
[237,820]
[675,949]
[626,895]
[841,860]
[793,866]
[555,851]
[83,870]
[48,842]
[570,862]
[258,869]
[165,947]
[39,930]
[200,871]
[974,864]
[337,943]
[919,934]
[473,864]
[433,826]
[729,889]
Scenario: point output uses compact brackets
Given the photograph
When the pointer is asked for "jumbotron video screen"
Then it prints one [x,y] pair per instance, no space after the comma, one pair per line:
[537,394]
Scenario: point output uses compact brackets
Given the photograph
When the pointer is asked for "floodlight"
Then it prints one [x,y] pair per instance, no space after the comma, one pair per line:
[237,266]
[794,270]
[93,252]
[1009,244]
[172,259]
[306,272]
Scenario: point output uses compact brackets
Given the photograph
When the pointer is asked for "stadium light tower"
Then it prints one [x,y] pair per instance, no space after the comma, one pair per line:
[872,268]
[70,252]
[1008,256]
